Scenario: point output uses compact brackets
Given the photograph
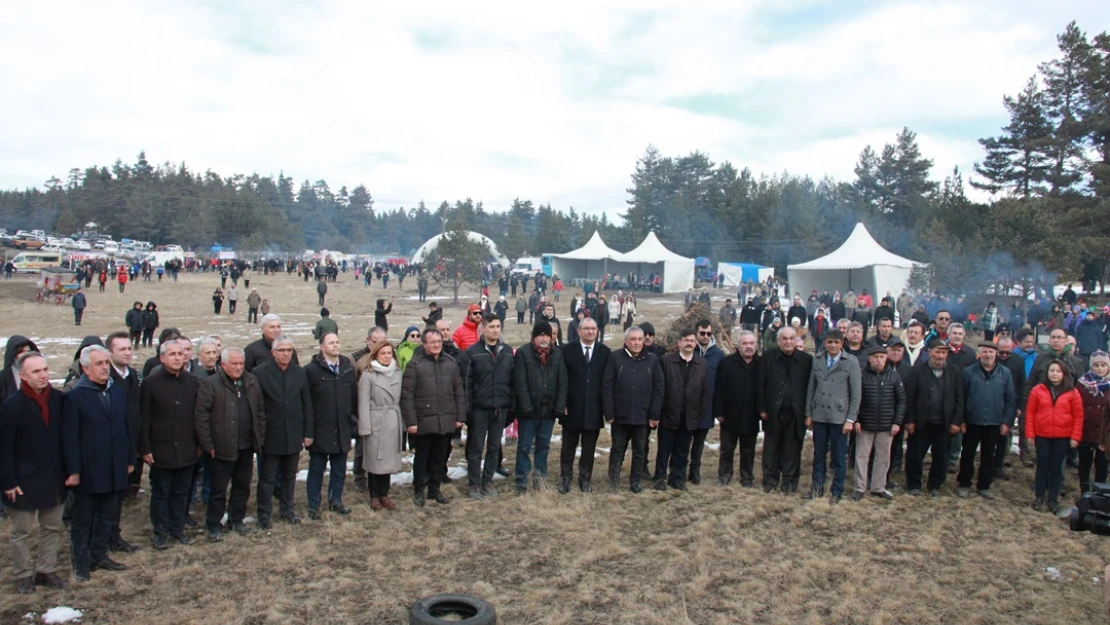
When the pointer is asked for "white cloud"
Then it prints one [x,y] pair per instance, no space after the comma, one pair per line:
[552,105]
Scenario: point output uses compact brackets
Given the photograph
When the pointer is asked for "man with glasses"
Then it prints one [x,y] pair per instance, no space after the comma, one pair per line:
[468,333]
[709,351]
[1016,366]
[433,405]
[940,326]
[261,350]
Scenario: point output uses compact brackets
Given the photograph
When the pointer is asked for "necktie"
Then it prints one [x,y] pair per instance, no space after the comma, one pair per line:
[335,369]
[587,354]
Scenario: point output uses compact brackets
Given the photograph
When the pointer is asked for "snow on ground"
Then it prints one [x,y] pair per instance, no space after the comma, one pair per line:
[62,614]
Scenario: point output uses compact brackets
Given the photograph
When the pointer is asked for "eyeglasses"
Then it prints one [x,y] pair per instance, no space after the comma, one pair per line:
[705,334]
[943,318]
[1003,352]
[414,335]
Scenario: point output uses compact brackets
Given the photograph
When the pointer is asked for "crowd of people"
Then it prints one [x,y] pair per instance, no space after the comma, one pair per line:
[877,406]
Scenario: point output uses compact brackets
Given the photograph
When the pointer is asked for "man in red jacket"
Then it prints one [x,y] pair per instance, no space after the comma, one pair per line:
[468,332]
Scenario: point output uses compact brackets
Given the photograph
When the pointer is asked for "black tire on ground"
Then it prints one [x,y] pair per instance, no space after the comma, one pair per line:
[472,610]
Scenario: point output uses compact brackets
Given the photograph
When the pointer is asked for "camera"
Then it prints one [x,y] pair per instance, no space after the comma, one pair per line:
[1092,511]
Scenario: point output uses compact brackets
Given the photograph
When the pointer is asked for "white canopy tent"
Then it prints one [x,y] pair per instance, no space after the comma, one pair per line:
[433,243]
[859,263]
[591,261]
[652,256]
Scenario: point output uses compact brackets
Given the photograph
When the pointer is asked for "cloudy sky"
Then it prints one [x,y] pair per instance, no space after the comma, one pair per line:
[435,101]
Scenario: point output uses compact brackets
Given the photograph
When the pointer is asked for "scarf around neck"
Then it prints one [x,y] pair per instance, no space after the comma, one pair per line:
[380,368]
[1094,384]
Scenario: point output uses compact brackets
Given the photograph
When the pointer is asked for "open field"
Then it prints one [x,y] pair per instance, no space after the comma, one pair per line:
[713,555]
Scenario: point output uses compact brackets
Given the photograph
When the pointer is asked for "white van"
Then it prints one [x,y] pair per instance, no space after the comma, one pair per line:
[29,262]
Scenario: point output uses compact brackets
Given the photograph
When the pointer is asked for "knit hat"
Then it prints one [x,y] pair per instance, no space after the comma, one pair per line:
[542,328]
[1100,356]
[409,330]
[648,328]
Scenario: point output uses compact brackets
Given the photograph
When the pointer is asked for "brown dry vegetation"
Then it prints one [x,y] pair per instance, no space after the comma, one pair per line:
[713,555]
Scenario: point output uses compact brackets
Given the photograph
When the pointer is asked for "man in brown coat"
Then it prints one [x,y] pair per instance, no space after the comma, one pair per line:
[433,404]
[231,425]
[168,442]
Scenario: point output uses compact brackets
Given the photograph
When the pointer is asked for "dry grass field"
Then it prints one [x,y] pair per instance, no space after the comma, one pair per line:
[712,555]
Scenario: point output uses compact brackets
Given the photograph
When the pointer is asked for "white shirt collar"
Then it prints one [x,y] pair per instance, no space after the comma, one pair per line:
[123,373]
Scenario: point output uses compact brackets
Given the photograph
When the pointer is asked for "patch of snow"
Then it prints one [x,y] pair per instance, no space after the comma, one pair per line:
[302,475]
[30,616]
[249,520]
[1053,573]
[62,614]
[713,446]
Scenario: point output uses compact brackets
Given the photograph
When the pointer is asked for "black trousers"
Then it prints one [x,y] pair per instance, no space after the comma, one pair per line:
[985,439]
[782,452]
[571,438]
[94,516]
[147,338]
[238,472]
[697,447]
[430,463]
[379,485]
[673,454]
[483,435]
[1090,455]
[932,437]
[271,465]
[621,435]
[730,442]
[169,493]
[647,451]
[252,315]
[360,473]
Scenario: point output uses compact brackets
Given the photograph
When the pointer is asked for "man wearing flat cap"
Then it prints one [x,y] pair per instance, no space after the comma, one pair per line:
[989,414]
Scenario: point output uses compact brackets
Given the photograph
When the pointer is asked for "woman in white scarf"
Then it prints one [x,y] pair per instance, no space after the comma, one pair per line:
[379,422]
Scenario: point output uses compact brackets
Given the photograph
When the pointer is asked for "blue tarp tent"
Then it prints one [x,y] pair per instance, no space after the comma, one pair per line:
[737,273]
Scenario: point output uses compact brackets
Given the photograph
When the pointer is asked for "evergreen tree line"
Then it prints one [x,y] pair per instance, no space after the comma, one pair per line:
[1047,173]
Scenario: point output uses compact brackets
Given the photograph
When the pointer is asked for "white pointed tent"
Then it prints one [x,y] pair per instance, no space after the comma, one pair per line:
[652,256]
[590,261]
[859,263]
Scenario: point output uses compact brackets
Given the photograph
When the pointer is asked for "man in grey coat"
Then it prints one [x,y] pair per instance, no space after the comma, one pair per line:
[832,405]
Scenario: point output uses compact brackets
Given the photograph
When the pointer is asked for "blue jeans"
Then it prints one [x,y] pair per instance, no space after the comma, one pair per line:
[826,436]
[531,432]
[315,483]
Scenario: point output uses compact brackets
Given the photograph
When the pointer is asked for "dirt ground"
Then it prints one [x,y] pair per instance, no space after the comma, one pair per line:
[712,555]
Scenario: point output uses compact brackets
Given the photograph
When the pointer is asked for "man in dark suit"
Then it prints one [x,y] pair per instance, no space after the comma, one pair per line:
[32,476]
[781,401]
[99,454]
[120,349]
[585,361]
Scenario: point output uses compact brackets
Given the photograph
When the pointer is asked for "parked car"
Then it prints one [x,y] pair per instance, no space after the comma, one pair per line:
[28,242]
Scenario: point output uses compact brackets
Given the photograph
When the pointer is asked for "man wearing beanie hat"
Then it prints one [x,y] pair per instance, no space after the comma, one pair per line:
[540,384]
[468,333]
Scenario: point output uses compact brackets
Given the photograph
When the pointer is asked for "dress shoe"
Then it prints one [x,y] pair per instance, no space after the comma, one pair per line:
[857,495]
[883,494]
[748,484]
[934,492]
[986,493]
[190,521]
[439,498]
[963,493]
[695,479]
[108,564]
[636,488]
[291,518]
[122,546]
[25,585]
[1053,507]
[520,490]
[586,488]
[360,486]
[659,485]
[1038,504]
[816,493]
[81,576]
[50,580]
[724,480]
[387,503]
[489,491]
[160,541]
[215,536]
[502,471]
[418,499]
[768,489]
[474,492]
[834,499]
[314,514]
[182,538]
[915,492]
[265,523]
[339,508]
[376,504]
[564,486]
[243,529]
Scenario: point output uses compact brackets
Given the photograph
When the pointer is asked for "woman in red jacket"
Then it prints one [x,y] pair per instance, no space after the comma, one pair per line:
[1053,423]
[1094,388]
